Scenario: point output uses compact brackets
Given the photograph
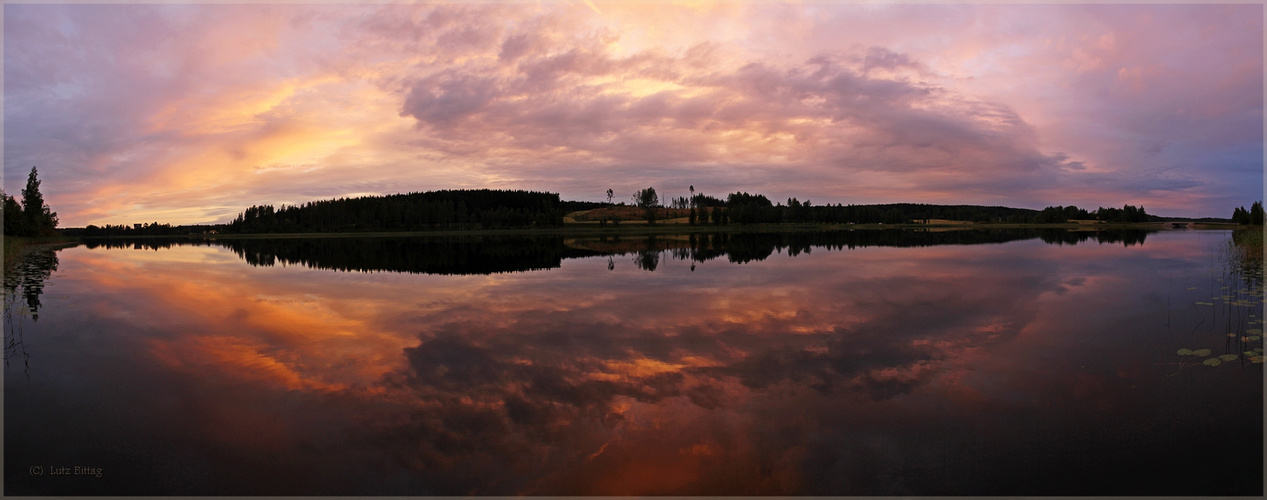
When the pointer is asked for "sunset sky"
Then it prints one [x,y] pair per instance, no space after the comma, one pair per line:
[190,113]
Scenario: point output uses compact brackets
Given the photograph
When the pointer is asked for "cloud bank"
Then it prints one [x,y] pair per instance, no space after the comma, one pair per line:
[188,113]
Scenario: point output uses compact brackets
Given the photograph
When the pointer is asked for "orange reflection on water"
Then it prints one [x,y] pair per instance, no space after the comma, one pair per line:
[240,324]
[578,380]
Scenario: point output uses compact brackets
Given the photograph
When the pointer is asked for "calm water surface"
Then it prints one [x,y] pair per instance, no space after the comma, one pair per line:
[873,364]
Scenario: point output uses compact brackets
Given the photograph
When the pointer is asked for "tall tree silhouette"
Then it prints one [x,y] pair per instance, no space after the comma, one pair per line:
[15,220]
[35,218]
[648,200]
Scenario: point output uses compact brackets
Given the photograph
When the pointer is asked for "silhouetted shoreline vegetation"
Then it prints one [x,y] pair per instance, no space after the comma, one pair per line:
[29,223]
[33,218]
[479,211]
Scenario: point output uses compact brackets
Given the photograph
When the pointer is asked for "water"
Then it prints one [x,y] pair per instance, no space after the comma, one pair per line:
[855,363]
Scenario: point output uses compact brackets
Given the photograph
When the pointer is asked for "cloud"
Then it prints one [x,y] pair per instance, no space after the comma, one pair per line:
[172,109]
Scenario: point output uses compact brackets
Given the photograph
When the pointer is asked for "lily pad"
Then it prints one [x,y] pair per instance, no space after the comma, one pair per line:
[1201,352]
[1254,331]
[1253,338]
[1256,359]
[1205,303]
[1212,362]
[1185,352]
[1227,357]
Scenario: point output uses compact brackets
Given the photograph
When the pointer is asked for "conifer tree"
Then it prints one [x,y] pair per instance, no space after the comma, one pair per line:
[39,220]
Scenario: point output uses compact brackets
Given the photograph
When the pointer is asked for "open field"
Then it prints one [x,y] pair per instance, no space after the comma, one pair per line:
[628,215]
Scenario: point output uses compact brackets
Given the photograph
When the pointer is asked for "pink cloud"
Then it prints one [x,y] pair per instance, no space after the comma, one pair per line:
[1017,105]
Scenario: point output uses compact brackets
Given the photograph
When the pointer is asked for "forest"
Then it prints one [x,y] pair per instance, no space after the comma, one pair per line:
[506,209]
[450,209]
[744,208]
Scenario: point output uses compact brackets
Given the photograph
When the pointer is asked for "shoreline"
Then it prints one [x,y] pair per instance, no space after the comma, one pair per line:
[641,228]
[15,246]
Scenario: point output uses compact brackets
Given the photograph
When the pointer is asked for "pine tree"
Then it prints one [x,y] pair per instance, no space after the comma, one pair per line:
[14,221]
[39,219]
[1240,215]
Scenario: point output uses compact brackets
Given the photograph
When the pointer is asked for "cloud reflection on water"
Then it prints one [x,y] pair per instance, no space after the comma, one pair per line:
[812,374]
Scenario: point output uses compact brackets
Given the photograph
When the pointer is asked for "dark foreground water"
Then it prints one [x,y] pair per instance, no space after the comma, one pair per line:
[872,363]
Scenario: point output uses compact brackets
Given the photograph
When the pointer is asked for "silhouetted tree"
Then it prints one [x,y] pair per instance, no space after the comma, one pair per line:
[1256,213]
[647,200]
[1240,215]
[14,221]
[36,218]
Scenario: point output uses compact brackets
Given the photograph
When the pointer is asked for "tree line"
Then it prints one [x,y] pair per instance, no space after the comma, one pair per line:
[449,209]
[506,209]
[1253,216]
[145,229]
[744,208]
[1060,214]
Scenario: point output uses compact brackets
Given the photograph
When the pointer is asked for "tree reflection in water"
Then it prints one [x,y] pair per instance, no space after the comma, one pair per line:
[936,369]
[27,278]
[503,254]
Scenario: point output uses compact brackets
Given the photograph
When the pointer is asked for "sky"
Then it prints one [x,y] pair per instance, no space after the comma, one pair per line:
[186,114]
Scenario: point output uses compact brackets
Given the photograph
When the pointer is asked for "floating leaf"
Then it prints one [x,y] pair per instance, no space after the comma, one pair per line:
[1254,331]
[1212,362]
[1201,352]
[1205,303]
[1253,338]
[1228,357]
[1185,352]
[1249,353]
[1256,359]
[1258,349]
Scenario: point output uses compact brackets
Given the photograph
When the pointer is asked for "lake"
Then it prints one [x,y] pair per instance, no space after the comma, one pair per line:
[1017,362]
